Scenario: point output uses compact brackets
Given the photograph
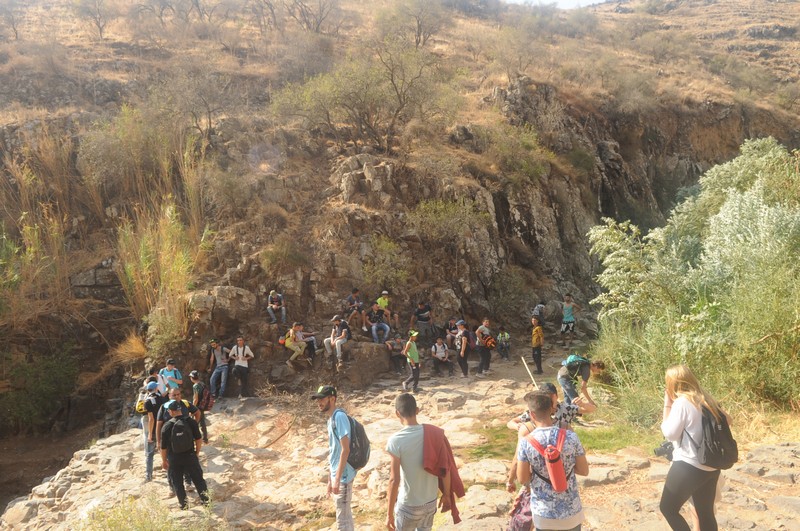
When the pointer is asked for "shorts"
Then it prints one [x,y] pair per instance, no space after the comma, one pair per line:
[567,326]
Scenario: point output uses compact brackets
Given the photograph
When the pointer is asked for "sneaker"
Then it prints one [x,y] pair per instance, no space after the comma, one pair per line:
[405,387]
[464,375]
[340,366]
[480,375]
[364,328]
[289,363]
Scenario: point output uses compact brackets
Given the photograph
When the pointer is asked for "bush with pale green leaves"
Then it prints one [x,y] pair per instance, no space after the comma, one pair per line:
[717,288]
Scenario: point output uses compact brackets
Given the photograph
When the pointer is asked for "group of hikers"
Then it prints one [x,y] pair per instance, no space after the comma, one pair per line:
[422,464]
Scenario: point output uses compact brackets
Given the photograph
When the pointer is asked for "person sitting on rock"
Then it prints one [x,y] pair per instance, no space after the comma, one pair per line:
[422,319]
[276,302]
[504,343]
[551,509]
[241,356]
[396,358]
[295,344]
[339,336]
[439,354]
[181,442]
[384,303]
[308,337]
[355,309]
[375,318]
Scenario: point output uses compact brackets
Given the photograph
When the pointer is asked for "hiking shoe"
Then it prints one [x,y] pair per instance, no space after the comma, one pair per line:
[405,387]
[480,375]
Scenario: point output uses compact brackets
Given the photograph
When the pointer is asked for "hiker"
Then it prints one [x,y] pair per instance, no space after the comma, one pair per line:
[375,319]
[187,409]
[682,424]
[571,369]
[538,311]
[180,446]
[551,509]
[537,342]
[295,344]
[483,351]
[463,347]
[163,388]
[423,317]
[384,303]
[412,492]
[563,414]
[355,308]
[275,302]
[451,331]
[439,354]
[412,354]
[198,389]
[172,376]
[341,476]
[219,376]
[504,344]
[308,337]
[396,357]
[569,309]
[339,336]
[241,356]
[152,404]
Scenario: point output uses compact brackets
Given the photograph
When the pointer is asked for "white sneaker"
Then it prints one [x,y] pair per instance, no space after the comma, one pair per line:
[480,375]
[364,328]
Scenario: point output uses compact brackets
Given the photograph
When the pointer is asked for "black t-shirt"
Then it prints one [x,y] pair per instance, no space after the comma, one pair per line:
[376,316]
[152,404]
[452,329]
[276,300]
[423,314]
[166,432]
[582,370]
[343,326]
[163,413]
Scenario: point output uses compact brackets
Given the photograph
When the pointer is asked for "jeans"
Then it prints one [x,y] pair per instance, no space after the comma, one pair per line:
[380,326]
[271,313]
[486,357]
[504,349]
[149,450]
[398,363]
[203,427]
[242,373]
[344,513]
[220,373]
[418,517]
[180,464]
[414,378]
[685,481]
[570,392]
[537,358]
[329,344]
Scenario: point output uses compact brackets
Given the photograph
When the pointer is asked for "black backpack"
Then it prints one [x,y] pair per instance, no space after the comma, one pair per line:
[718,449]
[359,443]
[181,440]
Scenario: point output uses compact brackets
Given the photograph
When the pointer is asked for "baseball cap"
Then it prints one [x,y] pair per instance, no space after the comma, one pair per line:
[384,292]
[213,341]
[398,336]
[461,322]
[336,317]
[273,292]
[323,391]
[194,374]
[413,333]
[152,386]
[173,405]
[171,361]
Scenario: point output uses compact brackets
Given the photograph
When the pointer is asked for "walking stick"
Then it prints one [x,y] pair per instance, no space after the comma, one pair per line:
[529,372]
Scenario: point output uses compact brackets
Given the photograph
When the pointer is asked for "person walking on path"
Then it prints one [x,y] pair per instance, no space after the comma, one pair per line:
[569,309]
[171,375]
[412,492]
[410,351]
[551,509]
[682,423]
[483,351]
[537,342]
[181,442]
[219,374]
[198,388]
[463,348]
[341,476]
[152,404]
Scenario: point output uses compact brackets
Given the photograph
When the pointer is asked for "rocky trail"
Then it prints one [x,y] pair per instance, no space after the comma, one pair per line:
[267,458]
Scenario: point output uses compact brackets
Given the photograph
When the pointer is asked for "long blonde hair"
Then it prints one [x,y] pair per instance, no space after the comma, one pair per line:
[681,381]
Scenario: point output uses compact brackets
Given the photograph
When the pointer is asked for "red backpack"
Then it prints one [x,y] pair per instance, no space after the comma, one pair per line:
[552,458]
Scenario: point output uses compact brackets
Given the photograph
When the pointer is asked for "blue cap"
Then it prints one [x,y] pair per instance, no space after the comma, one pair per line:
[152,386]
[461,322]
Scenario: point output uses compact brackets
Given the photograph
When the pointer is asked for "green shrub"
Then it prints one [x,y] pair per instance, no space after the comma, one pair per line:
[716,288]
[283,256]
[517,152]
[441,221]
[387,266]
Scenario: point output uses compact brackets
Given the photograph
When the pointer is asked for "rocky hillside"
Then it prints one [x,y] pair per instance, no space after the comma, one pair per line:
[266,469]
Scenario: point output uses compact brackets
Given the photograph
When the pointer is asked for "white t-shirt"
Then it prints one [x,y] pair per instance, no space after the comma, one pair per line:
[684,418]
[241,355]
[440,351]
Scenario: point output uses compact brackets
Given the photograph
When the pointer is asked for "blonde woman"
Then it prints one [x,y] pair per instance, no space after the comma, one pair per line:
[684,399]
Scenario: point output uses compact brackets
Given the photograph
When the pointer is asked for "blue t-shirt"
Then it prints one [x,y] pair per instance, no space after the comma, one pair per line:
[545,502]
[335,446]
[175,373]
